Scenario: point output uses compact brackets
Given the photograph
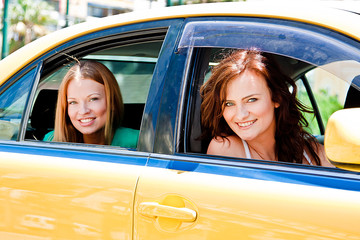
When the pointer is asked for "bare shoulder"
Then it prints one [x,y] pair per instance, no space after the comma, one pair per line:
[322,155]
[231,146]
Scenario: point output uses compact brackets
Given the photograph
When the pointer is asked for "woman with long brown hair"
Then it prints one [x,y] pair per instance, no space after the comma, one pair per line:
[90,108]
[249,111]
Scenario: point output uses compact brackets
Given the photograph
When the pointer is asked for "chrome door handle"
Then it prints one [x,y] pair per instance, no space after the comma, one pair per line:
[154,209]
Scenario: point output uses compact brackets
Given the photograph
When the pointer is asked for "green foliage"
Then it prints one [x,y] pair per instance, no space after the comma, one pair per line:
[327,104]
[28,19]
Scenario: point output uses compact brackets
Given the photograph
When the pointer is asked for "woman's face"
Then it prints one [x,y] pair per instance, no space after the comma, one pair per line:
[249,110]
[86,101]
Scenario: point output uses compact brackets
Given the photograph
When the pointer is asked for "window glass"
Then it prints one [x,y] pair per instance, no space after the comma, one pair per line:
[12,105]
[299,43]
[329,92]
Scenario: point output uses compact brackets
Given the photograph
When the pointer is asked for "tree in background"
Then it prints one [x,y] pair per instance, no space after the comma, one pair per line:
[28,20]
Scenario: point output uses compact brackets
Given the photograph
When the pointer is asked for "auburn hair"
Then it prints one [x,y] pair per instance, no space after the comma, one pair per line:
[290,136]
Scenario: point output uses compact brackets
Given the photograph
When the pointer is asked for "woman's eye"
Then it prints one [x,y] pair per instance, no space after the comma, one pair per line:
[229,104]
[71,102]
[252,99]
[93,99]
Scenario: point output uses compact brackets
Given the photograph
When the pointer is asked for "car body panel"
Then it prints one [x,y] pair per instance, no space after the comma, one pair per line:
[70,195]
[245,204]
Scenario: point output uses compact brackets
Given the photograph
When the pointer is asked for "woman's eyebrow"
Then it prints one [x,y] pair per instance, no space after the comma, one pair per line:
[251,95]
[95,93]
[248,96]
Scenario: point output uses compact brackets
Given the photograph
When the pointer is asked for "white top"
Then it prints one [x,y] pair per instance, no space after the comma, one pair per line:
[248,155]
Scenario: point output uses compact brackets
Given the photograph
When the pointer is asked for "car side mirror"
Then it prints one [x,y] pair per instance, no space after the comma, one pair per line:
[342,139]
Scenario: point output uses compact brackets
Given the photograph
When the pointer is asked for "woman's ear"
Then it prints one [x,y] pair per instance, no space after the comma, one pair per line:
[277,105]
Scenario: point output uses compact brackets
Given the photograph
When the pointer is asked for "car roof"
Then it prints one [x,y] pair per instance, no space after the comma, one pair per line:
[316,14]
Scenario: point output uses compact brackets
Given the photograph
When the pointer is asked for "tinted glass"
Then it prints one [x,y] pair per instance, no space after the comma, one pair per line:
[12,105]
[314,46]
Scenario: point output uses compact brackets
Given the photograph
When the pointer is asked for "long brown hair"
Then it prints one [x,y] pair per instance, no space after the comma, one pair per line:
[290,136]
[64,130]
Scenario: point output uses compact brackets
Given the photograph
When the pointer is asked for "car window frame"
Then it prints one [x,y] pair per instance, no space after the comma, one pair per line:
[58,55]
[190,86]
[254,32]
[62,57]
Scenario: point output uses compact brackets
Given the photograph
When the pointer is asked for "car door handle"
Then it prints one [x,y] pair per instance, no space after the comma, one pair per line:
[154,209]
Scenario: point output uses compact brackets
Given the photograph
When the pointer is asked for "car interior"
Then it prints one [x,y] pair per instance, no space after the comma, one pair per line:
[295,69]
[132,66]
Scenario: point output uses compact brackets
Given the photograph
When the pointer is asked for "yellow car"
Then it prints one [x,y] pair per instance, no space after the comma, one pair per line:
[168,187]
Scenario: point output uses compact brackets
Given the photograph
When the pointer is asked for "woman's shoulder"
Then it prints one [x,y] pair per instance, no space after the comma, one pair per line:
[125,137]
[127,130]
[49,136]
[320,150]
[230,146]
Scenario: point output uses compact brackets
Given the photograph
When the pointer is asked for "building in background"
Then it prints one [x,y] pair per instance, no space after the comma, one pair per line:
[85,10]
[31,19]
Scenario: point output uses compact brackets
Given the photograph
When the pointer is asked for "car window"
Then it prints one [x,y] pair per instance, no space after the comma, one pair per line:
[12,105]
[132,66]
[324,66]
[313,46]
[319,90]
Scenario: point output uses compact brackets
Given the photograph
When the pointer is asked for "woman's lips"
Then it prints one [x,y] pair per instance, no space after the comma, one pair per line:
[246,124]
[86,121]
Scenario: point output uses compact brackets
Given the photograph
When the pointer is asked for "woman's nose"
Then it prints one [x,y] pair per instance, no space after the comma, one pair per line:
[84,108]
[242,112]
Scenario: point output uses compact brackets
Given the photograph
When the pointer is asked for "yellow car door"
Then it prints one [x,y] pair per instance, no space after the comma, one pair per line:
[52,190]
[186,194]
[67,194]
[221,199]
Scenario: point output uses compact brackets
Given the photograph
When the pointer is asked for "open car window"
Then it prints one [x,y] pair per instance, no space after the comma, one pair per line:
[325,71]
[132,66]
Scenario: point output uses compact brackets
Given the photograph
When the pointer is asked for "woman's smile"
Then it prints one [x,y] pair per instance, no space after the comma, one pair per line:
[246,124]
[87,121]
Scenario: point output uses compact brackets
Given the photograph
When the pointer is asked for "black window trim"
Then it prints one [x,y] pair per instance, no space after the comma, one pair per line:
[313,104]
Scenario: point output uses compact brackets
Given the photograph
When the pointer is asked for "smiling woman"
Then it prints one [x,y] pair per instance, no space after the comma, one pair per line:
[90,108]
[250,112]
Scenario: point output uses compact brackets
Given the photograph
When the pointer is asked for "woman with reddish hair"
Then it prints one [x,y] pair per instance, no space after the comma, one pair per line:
[249,111]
